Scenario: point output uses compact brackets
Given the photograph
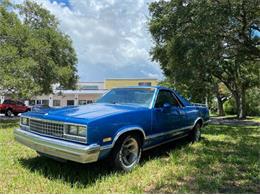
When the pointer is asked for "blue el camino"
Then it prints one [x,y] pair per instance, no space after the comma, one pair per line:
[119,126]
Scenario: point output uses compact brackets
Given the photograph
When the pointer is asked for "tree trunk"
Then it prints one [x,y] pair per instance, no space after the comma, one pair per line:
[242,110]
[220,107]
[241,104]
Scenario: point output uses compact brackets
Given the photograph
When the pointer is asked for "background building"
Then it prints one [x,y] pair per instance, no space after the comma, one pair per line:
[87,92]
[123,82]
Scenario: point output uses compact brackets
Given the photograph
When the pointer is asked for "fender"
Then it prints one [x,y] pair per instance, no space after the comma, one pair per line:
[199,118]
[121,131]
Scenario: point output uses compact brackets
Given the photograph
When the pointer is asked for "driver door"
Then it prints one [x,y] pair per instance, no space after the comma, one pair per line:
[168,116]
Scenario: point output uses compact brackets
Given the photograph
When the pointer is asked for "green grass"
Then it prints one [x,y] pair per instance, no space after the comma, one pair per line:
[253,118]
[225,161]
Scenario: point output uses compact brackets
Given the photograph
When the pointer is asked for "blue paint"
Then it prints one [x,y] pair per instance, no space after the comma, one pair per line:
[109,120]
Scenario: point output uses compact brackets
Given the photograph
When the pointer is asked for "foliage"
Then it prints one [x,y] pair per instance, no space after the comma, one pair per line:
[230,107]
[253,102]
[197,41]
[34,53]
[225,161]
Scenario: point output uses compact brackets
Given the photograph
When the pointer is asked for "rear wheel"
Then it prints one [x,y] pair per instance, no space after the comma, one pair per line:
[195,134]
[8,113]
[126,153]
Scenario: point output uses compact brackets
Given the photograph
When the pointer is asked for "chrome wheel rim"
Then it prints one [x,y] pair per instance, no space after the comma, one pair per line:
[129,152]
[9,113]
[197,134]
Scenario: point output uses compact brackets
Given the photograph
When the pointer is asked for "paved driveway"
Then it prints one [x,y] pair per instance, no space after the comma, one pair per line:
[3,117]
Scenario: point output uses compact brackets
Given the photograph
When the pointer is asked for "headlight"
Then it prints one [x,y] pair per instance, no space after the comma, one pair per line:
[24,121]
[76,130]
[72,130]
[82,131]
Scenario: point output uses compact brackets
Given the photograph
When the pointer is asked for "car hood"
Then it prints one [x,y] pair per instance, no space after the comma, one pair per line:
[86,112]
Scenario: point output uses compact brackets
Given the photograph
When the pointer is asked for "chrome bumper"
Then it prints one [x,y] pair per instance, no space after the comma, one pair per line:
[58,148]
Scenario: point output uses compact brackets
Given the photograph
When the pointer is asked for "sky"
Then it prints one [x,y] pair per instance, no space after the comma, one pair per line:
[111,37]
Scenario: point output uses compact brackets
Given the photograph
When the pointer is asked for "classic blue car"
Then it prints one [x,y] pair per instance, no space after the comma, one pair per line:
[119,126]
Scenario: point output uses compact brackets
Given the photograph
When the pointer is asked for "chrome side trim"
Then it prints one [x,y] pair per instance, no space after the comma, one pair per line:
[199,118]
[176,131]
[106,147]
[120,132]
[165,142]
[124,130]
[58,148]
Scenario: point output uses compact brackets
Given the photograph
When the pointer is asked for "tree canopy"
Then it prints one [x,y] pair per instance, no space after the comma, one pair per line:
[34,53]
[199,41]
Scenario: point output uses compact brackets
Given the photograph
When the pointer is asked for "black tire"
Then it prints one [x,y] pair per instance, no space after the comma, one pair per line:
[122,161]
[195,134]
[15,114]
[8,113]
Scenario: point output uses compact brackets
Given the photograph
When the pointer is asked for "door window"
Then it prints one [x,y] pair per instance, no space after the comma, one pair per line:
[166,97]
[20,103]
[9,102]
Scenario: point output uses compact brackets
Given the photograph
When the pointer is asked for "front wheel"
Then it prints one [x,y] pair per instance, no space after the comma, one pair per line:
[195,134]
[126,153]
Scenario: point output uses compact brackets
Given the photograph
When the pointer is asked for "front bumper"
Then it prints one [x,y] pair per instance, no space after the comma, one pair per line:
[58,148]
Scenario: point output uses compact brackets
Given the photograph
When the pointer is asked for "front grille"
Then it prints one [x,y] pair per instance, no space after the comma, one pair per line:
[47,128]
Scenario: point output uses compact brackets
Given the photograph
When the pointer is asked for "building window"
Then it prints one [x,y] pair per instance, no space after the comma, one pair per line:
[145,84]
[82,102]
[70,102]
[56,102]
[45,102]
[38,102]
[89,101]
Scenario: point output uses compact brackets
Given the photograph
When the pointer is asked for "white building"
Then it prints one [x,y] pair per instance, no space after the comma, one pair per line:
[87,92]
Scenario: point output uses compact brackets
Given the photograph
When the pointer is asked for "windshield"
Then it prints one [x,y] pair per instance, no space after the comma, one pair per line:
[142,96]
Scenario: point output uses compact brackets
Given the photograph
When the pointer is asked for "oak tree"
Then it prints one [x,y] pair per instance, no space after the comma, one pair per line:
[209,39]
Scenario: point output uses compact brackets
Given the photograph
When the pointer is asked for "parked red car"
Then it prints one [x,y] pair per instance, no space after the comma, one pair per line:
[9,107]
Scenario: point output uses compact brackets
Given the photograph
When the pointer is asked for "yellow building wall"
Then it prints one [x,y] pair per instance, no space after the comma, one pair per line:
[112,83]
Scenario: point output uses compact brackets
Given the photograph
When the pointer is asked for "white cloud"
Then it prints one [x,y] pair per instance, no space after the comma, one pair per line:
[110,36]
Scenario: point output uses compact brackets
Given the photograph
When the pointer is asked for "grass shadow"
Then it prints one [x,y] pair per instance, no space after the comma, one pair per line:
[9,123]
[219,165]
[70,172]
[165,149]
[87,174]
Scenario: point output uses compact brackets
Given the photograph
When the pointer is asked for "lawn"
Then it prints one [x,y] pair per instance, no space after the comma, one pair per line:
[226,160]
